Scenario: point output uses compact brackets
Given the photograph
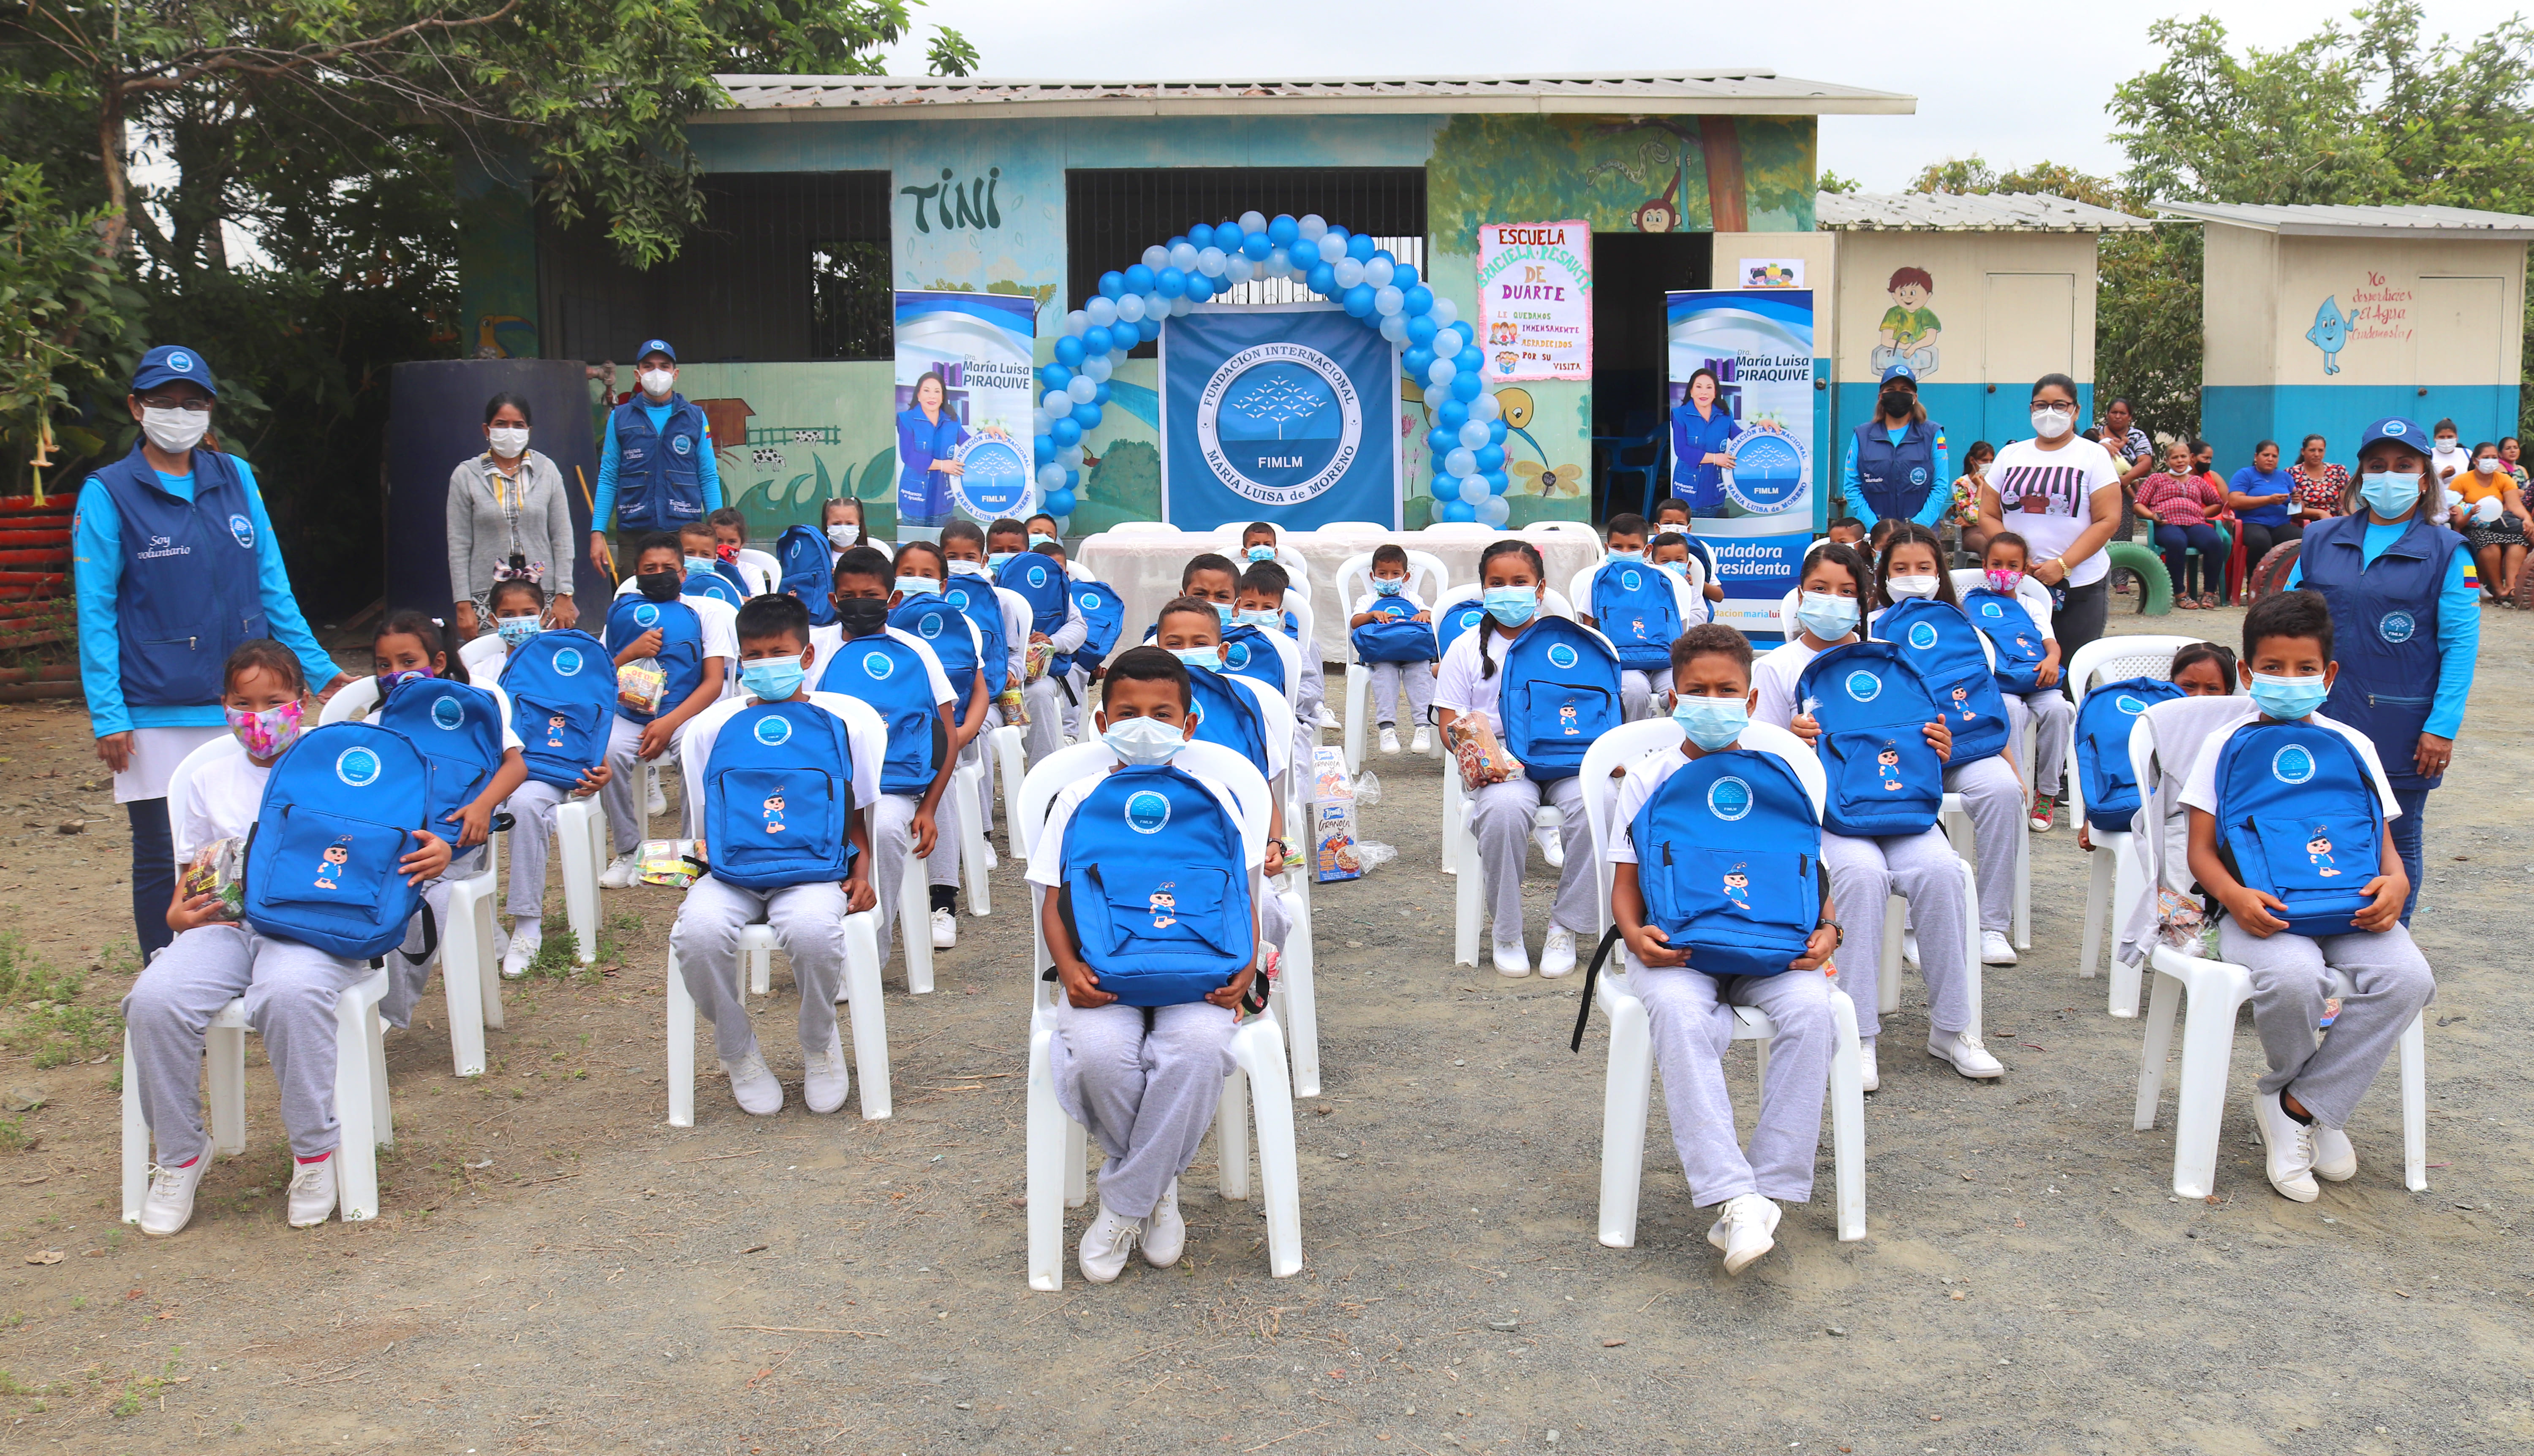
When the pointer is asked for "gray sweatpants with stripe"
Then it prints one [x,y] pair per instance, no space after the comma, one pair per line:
[1146,1083]
[291,993]
[1637,691]
[1500,817]
[532,806]
[2049,714]
[1923,870]
[2291,977]
[407,974]
[1994,795]
[1388,679]
[809,923]
[1692,1017]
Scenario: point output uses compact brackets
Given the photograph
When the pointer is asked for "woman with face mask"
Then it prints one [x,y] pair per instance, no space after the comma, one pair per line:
[2405,621]
[508,520]
[174,565]
[659,451]
[1897,466]
[2061,492]
[2490,511]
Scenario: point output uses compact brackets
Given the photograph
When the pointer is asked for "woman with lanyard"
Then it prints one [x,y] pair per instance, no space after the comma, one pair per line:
[174,565]
[2406,621]
[929,436]
[2063,492]
[1702,449]
[508,520]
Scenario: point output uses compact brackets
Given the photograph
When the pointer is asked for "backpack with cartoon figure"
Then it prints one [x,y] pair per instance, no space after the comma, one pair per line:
[562,687]
[338,815]
[2103,724]
[720,585]
[1874,711]
[931,620]
[458,730]
[1157,886]
[1728,853]
[1391,637]
[682,646]
[1561,692]
[780,798]
[1248,653]
[1104,616]
[889,675]
[2003,620]
[1039,582]
[1940,642]
[1634,607]
[802,555]
[1227,715]
[2298,817]
[975,595]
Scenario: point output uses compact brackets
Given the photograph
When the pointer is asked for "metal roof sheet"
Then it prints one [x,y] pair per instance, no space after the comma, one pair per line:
[1981,212]
[2317,221]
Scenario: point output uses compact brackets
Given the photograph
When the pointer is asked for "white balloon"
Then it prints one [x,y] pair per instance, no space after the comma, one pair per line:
[1181,306]
[1040,421]
[1051,475]
[1209,262]
[1332,249]
[1447,342]
[1460,462]
[1474,489]
[1440,373]
[1131,308]
[1100,311]
[1444,311]
[1081,388]
[1279,263]
[1070,457]
[1184,257]
[1097,366]
[1157,258]
[1349,272]
[1057,403]
[1239,267]
[1314,227]
[1075,321]
[1485,407]
[1387,301]
[1394,325]
[1380,271]
[1473,433]
[1253,221]
[1494,511]
[1116,357]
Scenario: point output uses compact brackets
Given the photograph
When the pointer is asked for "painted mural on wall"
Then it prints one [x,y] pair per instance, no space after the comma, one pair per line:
[2380,310]
[1622,174]
[789,436]
[1908,329]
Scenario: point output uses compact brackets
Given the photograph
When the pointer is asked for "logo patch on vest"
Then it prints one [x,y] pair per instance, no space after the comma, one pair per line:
[358,767]
[683,445]
[1562,656]
[242,531]
[446,715]
[2292,764]
[2128,706]
[1922,636]
[1917,476]
[1147,812]
[567,663]
[878,667]
[2396,627]
[773,731]
[1863,686]
[1728,798]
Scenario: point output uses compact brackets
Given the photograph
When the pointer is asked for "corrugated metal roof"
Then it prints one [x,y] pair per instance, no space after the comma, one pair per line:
[2316,221]
[1743,91]
[1979,211]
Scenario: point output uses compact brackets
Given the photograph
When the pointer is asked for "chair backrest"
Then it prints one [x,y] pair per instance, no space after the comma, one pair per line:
[1582,528]
[1465,531]
[760,570]
[1969,578]
[1145,528]
[2163,741]
[2109,660]
[1428,577]
[1298,601]
[1629,745]
[479,656]
[358,696]
[181,781]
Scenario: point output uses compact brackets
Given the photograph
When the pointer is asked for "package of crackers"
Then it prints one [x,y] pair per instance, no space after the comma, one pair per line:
[1484,760]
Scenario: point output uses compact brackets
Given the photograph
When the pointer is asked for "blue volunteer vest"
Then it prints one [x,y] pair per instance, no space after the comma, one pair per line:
[188,594]
[889,675]
[2383,631]
[1895,478]
[660,475]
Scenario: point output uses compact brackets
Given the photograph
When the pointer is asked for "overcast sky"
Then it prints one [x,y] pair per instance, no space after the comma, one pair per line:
[1973,66]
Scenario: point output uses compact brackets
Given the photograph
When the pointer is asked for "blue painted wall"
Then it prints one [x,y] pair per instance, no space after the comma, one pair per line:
[2236,417]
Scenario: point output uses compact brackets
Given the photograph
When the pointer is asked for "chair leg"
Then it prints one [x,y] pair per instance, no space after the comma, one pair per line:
[2098,902]
[915,927]
[135,1138]
[1466,909]
[577,826]
[2128,878]
[382,1120]
[1232,1138]
[869,1010]
[1077,1170]
[2165,1001]
[1887,994]
[1625,1094]
[1045,1144]
[1301,999]
[466,945]
[760,970]
[682,1048]
[224,1049]
[1271,1101]
[1848,1119]
[1974,972]
[356,1159]
[1358,681]
[975,859]
[2199,1110]
[1455,808]
[2415,1107]
[1007,744]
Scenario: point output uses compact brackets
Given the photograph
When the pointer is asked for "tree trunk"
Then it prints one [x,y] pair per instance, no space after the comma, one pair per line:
[109,146]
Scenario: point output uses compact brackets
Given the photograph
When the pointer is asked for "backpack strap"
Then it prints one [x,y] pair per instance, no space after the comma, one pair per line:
[1592,973]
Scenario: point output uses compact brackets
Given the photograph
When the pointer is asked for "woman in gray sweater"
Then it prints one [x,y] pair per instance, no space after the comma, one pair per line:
[507,518]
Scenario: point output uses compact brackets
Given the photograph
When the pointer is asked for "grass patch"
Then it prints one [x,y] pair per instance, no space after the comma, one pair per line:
[13,1135]
[558,957]
[52,1027]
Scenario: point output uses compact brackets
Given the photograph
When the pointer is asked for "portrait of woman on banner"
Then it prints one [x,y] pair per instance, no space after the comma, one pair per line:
[929,436]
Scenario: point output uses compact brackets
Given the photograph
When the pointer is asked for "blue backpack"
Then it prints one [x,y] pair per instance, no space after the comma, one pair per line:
[780,798]
[1104,616]
[932,621]
[561,687]
[803,556]
[889,675]
[1561,692]
[1943,646]
[2009,627]
[2298,817]
[1634,607]
[1040,584]
[681,644]
[1247,653]
[1156,887]
[337,816]
[1874,711]
[457,728]
[1450,621]
[1227,715]
[2103,723]
[1728,856]
[975,595]
[1392,637]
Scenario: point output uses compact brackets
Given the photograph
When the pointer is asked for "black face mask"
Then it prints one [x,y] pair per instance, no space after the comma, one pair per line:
[861,615]
[659,587]
[1897,403]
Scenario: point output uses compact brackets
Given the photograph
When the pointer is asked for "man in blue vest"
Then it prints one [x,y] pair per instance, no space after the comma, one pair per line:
[174,565]
[656,470]
[1898,468]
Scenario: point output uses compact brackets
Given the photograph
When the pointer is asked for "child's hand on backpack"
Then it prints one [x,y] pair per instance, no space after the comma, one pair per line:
[427,863]
[1423,619]
[1651,947]
[1817,948]
[1940,739]
[197,911]
[594,781]
[858,895]
[2252,908]
[1226,995]
[925,833]
[2047,674]
[474,824]
[1082,987]
[2386,894]
[657,735]
[1806,727]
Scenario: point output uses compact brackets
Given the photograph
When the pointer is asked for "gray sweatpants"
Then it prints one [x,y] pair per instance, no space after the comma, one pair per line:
[1500,819]
[1923,870]
[942,866]
[532,807]
[1045,700]
[624,797]
[1146,1083]
[809,923]
[892,841]
[2052,718]
[1314,688]
[1387,680]
[1692,1016]
[1637,691]
[2291,975]
[291,993]
[406,976]
[1994,795]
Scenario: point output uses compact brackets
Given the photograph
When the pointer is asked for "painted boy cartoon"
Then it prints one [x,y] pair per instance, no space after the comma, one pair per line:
[2330,332]
[775,813]
[2318,853]
[554,731]
[1164,907]
[1737,887]
[338,855]
[1962,703]
[1566,723]
[1887,769]
[1909,329]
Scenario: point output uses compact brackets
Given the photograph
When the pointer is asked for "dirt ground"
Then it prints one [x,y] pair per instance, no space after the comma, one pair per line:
[556,1269]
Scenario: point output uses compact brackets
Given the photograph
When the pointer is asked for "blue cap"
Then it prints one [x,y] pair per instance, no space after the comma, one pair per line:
[1901,371]
[2399,430]
[170,361]
[656,346]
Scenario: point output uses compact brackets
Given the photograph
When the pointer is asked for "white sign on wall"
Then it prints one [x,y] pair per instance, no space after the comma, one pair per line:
[1535,300]
[1771,273]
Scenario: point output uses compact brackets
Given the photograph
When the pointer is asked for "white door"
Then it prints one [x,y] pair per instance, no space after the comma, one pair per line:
[2032,332]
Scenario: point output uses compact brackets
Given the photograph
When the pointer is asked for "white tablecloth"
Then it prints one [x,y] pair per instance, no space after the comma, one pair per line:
[1145,570]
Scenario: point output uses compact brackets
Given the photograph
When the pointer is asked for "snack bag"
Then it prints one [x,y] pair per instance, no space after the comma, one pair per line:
[671,863]
[1484,760]
[213,871]
[1034,659]
[640,685]
[1014,714]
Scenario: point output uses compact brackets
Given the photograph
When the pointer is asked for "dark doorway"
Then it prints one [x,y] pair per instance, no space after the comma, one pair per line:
[1631,272]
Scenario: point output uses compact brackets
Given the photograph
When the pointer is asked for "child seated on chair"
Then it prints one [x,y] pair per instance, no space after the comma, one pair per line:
[1041,531]
[1712,702]
[1228,713]
[2044,710]
[1258,601]
[1046,627]
[840,519]
[217,957]
[917,604]
[2200,670]
[1848,530]
[1672,518]
[691,639]
[807,916]
[2310,1088]
[1145,1080]
[1391,600]
[1640,610]
[518,618]
[1258,542]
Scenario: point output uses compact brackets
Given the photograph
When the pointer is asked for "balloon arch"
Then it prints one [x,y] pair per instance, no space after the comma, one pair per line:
[1173,278]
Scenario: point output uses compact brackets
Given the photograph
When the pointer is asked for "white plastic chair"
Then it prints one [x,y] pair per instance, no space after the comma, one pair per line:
[2115,880]
[759,569]
[1226,539]
[1455,798]
[1630,1084]
[867,1010]
[1057,1178]
[479,657]
[1583,528]
[360,1070]
[1298,1009]
[1426,577]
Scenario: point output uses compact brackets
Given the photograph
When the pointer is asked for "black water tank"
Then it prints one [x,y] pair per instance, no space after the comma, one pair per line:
[435,420]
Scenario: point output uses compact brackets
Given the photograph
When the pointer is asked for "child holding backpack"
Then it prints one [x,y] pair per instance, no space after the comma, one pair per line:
[1393,631]
[1228,713]
[290,987]
[2013,611]
[691,640]
[2288,815]
[785,779]
[1641,608]
[916,605]
[1155,952]
[561,711]
[1727,911]
[1049,628]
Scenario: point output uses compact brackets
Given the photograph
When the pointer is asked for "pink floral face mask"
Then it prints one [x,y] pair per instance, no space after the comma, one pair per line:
[265,734]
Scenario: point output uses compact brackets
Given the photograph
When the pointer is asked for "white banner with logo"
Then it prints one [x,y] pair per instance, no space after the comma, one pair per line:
[963,400]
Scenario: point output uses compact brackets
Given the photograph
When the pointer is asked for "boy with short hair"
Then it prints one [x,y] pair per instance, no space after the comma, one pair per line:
[708,572]
[2310,1088]
[1848,530]
[662,622]
[1392,599]
[808,919]
[1041,530]
[1047,627]
[923,573]
[1258,542]
[1635,600]
[1672,516]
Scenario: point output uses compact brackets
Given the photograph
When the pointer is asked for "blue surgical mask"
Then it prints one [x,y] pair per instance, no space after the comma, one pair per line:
[701,566]
[1260,553]
[1678,569]
[1511,605]
[513,630]
[771,678]
[1389,586]
[914,587]
[1223,612]
[965,568]
[1143,742]
[1712,723]
[1619,555]
[996,558]
[1264,621]
[1209,658]
[1037,540]
[2388,494]
[2288,698]
[1826,617]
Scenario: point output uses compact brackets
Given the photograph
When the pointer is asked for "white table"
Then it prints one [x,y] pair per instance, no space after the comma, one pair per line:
[1145,570]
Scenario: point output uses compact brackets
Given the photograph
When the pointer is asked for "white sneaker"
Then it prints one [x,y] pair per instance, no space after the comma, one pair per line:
[1165,1232]
[1744,1230]
[1996,949]
[1512,959]
[1390,740]
[2335,1160]
[170,1204]
[1552,845]
[945,929]
[1557,955]
[1965,1052]
[1865,1064]
[823,1079]
[656,802]
[2290,1144]
[756,1088]
[1106,1246]
[1322,717]
[311,1192]
[1910,946]
[524,941]
[619,874]
[1423,742]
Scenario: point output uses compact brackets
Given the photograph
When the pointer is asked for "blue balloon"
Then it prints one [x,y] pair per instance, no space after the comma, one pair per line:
[1384,255]
[1073,480]
[1140,279]
[1255,247]
[1199,287]
[1458,511]
[1097,340]
[1149,328]
[1403,276]
[1420,329]
[1086,416]
[1054,376]
[1496,432]
[1415,301]
[1452,416]
[1201,236]
[1360,247]
[1357,301]
[1416,361]
[1060,503]
[1068,352]
[1064,431]
[1323,278]
[1284,230]
[1112,284]
[1100,393]
[1169,282]
[1043,448]
[1466,384]
[1496,480]
[1440,440]
[1491,458]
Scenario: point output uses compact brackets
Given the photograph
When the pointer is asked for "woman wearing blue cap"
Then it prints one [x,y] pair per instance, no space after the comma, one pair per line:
[1898,467]
[658,454]
[174,564]
[2406,621]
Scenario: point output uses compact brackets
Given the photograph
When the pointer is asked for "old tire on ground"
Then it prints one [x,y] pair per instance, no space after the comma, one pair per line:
[2155,585]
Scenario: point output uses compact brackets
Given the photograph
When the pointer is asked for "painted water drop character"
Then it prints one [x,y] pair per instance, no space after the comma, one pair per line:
[2330,332]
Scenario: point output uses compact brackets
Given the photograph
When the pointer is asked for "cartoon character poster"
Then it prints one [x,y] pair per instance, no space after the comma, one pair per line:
[1909,329]
[1535,300]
